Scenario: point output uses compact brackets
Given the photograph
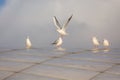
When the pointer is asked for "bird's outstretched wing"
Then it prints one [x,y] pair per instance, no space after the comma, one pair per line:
[56,22]
[65,25]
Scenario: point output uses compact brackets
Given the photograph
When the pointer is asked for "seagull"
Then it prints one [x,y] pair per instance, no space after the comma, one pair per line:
[95,42]
[58,42]
[61,29]
[106,43]
[28,43]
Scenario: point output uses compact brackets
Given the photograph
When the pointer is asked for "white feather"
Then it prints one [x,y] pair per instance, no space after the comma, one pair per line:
[28,43]
[58,42]
[95,41]
[106,43]
[61,29]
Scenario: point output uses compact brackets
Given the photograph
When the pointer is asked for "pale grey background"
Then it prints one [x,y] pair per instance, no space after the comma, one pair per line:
[19,18]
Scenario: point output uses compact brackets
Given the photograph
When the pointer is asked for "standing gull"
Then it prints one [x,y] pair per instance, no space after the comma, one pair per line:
[58,43]
[28,43]
[95,42]
[61,29]
[106,43]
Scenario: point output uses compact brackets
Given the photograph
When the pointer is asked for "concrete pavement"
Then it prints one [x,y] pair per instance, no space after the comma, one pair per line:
[35,64]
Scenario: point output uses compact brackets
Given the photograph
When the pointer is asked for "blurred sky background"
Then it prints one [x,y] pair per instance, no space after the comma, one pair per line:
[33,18]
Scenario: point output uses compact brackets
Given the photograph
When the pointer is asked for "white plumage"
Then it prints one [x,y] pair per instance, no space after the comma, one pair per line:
[106,43]
[28,43]
[58,42]
[61,29]
[95,42]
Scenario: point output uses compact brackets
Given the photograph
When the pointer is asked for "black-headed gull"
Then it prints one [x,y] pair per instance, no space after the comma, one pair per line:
[61,29]
[58,42]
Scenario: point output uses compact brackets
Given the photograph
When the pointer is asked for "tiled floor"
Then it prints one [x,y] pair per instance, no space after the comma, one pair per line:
[35,64]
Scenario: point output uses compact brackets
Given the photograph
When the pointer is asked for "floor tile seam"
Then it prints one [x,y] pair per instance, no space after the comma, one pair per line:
[71,68]
[51,58]
[16,61]
[60,56]
[42,75]
[40,55]
[95,76]
[102,72]
[110,68]
[11,50]
[90,60]
[51,76]
[9,76]
[80,68]
[87,50]
[113,73]
[15,72]
[34,64]
[24,61]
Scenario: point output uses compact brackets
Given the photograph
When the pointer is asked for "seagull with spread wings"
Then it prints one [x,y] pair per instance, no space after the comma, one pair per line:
[61,29]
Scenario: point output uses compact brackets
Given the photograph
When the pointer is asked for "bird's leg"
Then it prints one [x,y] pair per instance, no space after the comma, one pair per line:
[95,47]
[58,46]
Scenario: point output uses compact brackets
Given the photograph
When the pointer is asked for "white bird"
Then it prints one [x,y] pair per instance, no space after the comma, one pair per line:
[61,29]
[106,43]
[58,42]
[28,43]
[95,42]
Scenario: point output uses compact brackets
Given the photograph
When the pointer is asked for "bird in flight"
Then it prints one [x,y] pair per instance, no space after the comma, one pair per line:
[61,29]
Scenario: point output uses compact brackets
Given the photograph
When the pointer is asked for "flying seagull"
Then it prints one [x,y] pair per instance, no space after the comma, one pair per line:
[61,29]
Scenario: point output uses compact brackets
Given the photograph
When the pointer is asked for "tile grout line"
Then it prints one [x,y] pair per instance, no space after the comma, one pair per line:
[15,72]
[28,68]
[51,58]
[9,76]
[103,71]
